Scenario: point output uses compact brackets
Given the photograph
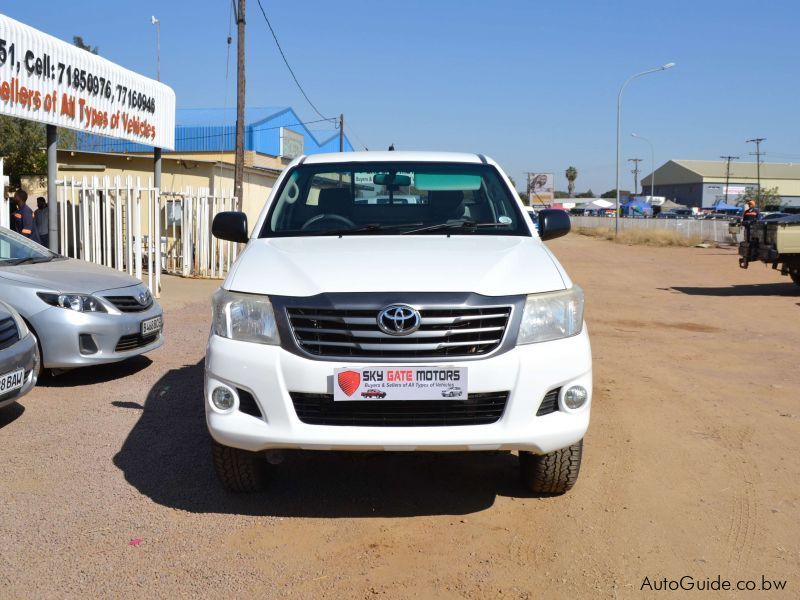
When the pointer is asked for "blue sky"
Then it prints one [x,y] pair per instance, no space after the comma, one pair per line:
[532,84]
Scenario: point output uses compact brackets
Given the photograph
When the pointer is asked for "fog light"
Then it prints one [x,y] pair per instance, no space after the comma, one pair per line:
[222,398]
[575,397]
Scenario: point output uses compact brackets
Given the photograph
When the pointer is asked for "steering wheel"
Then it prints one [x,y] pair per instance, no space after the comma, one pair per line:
[314,222]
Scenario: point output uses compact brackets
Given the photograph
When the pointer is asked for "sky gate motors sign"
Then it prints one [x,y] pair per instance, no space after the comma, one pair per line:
[47,80]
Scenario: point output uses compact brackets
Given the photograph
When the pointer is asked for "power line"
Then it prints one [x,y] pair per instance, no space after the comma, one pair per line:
[277,43]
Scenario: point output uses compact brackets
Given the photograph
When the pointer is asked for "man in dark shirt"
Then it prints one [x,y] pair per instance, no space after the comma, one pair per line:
[750,211]
[24,221]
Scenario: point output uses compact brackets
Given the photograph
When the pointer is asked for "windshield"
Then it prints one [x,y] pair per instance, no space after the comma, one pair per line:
[392,199]
[15,249]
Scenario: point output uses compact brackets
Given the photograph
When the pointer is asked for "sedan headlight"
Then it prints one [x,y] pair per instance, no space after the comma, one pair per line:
[76,302]
[551,316]
[244,317]
[22,326]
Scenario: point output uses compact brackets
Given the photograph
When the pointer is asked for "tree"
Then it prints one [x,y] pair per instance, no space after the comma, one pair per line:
[767,197]
[560,195]
[587,194]
[22,145]
[571,174]
[77,40]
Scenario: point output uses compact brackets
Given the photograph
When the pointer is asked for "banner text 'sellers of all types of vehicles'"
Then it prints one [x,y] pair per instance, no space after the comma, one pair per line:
[79,313]
[353,311]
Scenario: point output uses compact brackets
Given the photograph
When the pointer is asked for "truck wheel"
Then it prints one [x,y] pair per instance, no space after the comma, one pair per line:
[239,470]
[795,275]
[554,473]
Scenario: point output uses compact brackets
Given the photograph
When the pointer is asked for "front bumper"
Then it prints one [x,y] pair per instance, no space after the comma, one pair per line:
[21,355]
[59,331]
[528,372]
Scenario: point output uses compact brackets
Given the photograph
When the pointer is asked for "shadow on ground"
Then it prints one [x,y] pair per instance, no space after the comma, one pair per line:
[756,289]
[10,413]
[96,373]
[167,457]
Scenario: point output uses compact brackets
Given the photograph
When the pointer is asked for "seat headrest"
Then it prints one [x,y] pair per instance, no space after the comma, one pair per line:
[335,201]
[447,203]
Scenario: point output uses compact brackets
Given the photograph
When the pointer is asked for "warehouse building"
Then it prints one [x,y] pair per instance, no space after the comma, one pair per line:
[701,183]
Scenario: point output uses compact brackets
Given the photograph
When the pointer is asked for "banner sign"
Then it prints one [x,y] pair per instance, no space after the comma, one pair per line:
[292,143]
[47,80]
[541,188]
[399,383]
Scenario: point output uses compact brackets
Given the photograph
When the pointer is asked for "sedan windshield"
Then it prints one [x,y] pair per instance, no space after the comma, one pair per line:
[16,249]
[392,199]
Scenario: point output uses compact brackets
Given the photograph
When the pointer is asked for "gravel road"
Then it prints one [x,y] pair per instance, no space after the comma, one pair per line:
[690,469]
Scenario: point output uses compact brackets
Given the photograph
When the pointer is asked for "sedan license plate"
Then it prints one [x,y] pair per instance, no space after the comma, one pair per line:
[12,381]
[400,383]
[151,326]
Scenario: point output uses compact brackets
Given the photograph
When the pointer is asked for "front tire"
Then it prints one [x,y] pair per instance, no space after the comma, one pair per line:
[551,474]
[239,470]
[795,275]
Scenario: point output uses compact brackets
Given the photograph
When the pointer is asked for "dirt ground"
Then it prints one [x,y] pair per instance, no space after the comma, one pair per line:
[691,467]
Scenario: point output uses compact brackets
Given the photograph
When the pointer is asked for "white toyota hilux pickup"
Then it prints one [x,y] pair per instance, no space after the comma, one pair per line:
[397,301]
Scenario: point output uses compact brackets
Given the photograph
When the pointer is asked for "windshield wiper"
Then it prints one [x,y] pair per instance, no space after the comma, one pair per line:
[369,228]
[465,224]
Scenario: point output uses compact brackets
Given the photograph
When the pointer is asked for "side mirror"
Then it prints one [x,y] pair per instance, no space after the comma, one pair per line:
[553,223]
[230,226]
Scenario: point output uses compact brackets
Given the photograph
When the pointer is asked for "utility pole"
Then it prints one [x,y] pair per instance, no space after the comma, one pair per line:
[635,172]
[341,132]
[238,172]
[728,173]
[757,142]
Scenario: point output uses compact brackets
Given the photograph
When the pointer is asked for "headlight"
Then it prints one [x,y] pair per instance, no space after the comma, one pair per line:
[551,316]
[244,317]
[77,302]
[22,326]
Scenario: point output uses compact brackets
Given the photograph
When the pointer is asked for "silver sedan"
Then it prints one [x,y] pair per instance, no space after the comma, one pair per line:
[81,313]
[19,357]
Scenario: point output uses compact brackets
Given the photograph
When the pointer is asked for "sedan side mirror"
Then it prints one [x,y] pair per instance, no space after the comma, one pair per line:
[553,223]
[230,226]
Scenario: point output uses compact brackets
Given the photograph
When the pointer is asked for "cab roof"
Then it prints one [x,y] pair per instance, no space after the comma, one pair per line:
[395,156]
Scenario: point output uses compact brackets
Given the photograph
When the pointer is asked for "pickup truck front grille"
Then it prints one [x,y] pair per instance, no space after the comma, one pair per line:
[321,409]
[345,333]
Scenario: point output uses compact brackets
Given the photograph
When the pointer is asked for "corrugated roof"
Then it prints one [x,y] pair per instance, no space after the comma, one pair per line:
[716,169]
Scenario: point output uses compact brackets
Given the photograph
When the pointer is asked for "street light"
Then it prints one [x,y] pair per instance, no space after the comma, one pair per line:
[619,105]
[652,165]
[157,23]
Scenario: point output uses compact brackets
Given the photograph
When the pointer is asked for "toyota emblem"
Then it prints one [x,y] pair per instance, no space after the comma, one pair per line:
[144,298]
[399,319]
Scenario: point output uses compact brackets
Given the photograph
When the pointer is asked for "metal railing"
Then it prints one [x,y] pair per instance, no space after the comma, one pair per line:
[139,229]
[711,230]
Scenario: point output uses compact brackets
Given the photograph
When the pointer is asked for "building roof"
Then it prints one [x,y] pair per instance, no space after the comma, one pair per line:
[681,170]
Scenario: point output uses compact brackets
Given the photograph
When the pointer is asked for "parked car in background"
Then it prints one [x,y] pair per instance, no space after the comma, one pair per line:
[19,357]
[80,313]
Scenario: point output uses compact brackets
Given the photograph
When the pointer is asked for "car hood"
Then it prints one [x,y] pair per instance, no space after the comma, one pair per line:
[487,265]
[68,275]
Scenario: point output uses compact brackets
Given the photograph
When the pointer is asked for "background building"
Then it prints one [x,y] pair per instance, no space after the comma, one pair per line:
[701,183]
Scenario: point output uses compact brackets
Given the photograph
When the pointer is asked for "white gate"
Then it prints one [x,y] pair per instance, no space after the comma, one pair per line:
[136,228]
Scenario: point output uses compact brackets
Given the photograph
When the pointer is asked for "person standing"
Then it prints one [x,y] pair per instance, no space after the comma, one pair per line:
[750,211]
[42,221]
[24,221]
